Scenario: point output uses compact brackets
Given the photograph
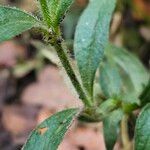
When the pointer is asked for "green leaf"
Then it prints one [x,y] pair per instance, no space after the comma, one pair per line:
[110,80]
[49,134]
[145,96]
[54,10]
[111,128]
[14,21]
[131,66]
[142,130]
[130,102]
[130,98]
[107,107]
[63,6]
[91,36]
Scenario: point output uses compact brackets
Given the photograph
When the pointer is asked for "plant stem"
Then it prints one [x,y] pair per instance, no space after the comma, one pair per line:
[62,55]
[124,133]
[71,74]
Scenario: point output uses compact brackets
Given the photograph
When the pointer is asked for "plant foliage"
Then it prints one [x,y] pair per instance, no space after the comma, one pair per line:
[122,77]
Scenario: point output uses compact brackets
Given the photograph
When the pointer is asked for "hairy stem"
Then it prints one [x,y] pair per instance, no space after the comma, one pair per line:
[70,72]
[62,55]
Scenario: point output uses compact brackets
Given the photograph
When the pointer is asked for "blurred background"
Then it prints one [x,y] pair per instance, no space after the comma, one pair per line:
[32,87]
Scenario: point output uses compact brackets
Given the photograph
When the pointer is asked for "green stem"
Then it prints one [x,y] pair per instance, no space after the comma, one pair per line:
[63,56]
[45,12]
[71,74]
[124,133]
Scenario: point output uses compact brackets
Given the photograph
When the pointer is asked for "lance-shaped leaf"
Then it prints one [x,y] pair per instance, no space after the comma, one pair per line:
[54,10]
[49,134]
[91,36]
[111,128]
[110,80]
[131,66]
[14,21]
[142,130]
